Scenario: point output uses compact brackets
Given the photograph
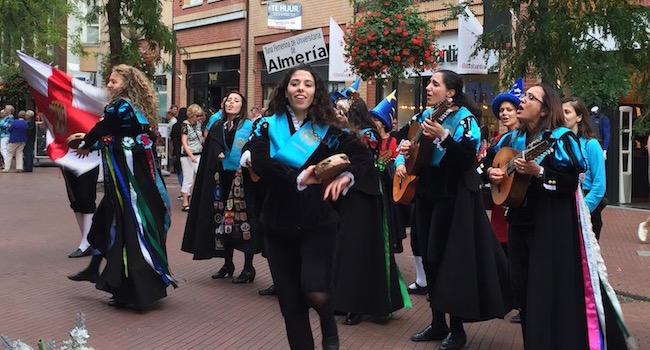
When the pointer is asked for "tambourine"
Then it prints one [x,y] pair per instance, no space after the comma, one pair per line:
[332,166]
[75,140]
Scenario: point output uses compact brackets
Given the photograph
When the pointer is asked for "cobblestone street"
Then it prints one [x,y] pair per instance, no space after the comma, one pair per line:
[38,230]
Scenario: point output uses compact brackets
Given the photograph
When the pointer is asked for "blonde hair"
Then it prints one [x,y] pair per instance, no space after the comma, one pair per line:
[194,110]
[137,88]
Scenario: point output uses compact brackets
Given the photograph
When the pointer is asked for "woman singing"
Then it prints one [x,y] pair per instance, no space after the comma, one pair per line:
[299,223]
[466,268]
[545,242]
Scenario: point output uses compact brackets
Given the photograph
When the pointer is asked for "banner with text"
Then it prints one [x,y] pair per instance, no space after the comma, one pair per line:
[339,70]
[469,28]
[284,16]
[290,52]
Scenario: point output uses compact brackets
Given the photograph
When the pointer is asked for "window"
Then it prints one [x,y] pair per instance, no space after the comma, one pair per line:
[191,3]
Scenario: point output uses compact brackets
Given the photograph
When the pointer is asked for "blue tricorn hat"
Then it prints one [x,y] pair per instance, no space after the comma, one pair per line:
[513,96]
[386,110]
[346,92]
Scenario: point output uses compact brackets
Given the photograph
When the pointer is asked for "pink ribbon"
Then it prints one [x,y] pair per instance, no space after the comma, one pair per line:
[593,328]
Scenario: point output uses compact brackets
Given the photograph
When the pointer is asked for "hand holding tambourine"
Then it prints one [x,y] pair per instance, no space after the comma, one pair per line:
[75,140]
[331,167]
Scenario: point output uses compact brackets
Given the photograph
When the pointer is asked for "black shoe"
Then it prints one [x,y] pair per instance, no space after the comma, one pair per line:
[351,319]
[454,341]
[224,271]
[516,318]
[116,303]
[331,343]
[428,298]
[268,291]
[79,253]
[430,333]
[245,276]
[418,290]
[85,275]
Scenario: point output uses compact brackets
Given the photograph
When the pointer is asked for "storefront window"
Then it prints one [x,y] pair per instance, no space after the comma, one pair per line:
[160,86]
[406,99]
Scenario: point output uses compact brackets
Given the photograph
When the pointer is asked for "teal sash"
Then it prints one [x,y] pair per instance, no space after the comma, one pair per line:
[294,150]
[232,155]
[450,123]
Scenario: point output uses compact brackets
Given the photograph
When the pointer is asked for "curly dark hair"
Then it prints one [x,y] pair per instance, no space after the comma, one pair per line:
[320,111]
[358,116]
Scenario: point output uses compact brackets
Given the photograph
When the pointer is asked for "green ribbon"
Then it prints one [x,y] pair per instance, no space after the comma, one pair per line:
[405,297]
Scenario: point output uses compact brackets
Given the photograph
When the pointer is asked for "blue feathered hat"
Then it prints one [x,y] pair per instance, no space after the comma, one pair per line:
[513,96]
[386,111]
[346,92]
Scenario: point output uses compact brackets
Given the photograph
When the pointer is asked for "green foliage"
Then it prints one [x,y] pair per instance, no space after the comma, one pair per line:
[389,37]
[14,87]
[34,27]
[557,42]
[134,27]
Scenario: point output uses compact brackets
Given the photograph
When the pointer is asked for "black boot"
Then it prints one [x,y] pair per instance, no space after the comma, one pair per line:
[225,271]
[351,319]
[268,291]
[247,275]
[331,342]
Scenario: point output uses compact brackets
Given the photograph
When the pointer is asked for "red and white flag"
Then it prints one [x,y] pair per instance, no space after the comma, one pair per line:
[69,105]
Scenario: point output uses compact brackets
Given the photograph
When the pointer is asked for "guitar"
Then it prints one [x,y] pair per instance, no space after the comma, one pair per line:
[419,155]
[512,190]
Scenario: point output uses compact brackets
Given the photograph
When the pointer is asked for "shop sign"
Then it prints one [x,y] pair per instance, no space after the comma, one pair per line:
[284,15]
[287,53]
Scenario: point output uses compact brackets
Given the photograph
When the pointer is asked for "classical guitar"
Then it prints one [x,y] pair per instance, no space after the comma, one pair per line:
[419,155]
[512,190]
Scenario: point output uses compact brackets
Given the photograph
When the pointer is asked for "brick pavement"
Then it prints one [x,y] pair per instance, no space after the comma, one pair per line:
[38,231]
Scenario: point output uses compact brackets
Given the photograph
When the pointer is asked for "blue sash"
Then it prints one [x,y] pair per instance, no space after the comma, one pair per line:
[232,156]
[140,117]
[293,150]
[451,123]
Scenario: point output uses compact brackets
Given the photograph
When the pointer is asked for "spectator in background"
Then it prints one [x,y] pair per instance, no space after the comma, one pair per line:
[601,124]
[17,139]
[255,113]
[175,137]
[4,132]
[28,152]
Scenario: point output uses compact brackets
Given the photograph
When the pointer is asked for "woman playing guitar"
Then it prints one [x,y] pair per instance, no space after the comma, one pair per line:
[453,229]
[544,238]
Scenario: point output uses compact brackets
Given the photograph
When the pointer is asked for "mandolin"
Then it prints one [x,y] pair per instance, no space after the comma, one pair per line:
[419,155]
[512,190]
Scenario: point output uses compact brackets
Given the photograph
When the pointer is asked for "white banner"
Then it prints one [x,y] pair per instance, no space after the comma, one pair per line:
[339,70]
[284,15]
[468,29]
[287,53]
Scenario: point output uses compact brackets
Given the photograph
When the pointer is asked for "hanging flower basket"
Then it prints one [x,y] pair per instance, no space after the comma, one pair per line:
[388,38]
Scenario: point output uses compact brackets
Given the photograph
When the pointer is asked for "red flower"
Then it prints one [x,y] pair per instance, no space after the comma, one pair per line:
[404,52]
[402,23]
[416,42]
[397,58]
[386,31]
[373,52]
[398,30]
[386,20]
[405,33]
[386,3]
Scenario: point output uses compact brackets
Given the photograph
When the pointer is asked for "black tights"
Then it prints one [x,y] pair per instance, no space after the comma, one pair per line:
[439,321]
[248,259]
[298,327]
